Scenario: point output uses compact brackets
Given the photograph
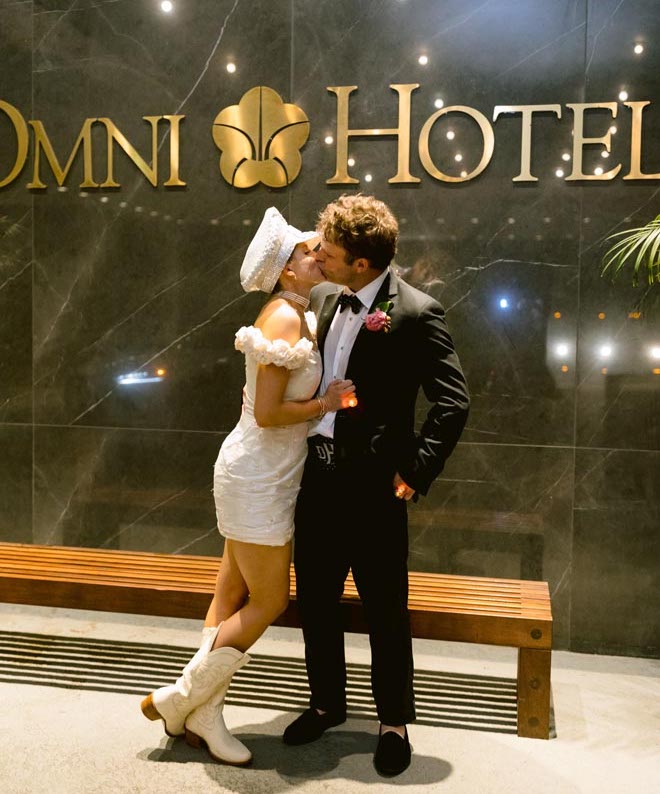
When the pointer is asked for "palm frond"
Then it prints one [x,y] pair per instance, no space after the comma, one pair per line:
[641,244]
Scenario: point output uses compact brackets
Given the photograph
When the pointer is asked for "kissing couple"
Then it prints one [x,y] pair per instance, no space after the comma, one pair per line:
[326,444]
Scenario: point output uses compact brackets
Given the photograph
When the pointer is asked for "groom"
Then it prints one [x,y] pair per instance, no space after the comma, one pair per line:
[365,463]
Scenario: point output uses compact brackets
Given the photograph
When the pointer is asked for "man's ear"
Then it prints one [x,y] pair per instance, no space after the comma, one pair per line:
[361,264]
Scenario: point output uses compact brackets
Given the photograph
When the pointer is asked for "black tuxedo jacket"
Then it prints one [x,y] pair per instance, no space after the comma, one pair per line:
[388,370]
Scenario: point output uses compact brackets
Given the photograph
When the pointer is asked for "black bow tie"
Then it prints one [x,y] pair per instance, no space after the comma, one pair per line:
[350,300]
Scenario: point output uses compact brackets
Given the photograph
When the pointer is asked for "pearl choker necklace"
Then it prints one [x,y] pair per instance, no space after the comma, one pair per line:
[292,296]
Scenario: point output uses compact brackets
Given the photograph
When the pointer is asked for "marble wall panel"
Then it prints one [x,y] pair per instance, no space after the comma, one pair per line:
[138,278]
[501,510]
[618,392]
[16,484]
[125,489]
[15,221]
[615,576]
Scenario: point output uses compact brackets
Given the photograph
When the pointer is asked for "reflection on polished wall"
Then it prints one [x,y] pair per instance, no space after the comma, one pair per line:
[118,377]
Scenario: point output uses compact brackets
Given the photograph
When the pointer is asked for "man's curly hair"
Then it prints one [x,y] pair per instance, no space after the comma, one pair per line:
[364,226]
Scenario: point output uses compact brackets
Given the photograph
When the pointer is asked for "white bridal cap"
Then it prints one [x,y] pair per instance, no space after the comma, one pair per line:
[269,251]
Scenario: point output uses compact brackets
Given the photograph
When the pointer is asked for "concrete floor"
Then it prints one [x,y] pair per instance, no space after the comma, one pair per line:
[70,723]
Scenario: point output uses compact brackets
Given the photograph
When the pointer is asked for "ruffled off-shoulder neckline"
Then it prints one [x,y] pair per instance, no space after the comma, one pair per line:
[251,341]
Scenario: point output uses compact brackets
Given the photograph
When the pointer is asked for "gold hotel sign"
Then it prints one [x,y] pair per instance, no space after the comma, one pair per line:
[260,140]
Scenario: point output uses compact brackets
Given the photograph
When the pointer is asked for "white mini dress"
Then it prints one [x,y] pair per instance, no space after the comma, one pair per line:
[257,474]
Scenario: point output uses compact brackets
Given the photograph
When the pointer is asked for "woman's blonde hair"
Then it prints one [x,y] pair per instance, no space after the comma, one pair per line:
[364,226]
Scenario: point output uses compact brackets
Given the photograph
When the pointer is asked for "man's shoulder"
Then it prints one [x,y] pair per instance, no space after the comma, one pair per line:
[325,288]
[414,298]
[320,292]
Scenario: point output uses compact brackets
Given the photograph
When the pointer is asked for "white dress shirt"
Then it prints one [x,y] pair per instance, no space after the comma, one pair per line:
[338,345]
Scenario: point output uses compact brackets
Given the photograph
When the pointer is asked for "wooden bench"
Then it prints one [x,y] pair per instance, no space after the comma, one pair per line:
[442,607]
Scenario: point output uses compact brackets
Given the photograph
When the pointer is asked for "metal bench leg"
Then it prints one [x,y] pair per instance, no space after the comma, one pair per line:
[534,693]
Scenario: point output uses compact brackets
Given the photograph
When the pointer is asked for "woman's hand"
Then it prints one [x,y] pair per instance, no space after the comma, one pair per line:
[340,394]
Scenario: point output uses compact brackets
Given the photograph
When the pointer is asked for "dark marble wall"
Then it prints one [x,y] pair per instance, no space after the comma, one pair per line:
[557,474]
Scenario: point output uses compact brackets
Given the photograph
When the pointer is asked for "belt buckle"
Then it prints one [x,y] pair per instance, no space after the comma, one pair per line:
[325,452]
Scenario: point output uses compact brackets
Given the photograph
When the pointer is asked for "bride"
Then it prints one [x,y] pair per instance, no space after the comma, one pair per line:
[256,481]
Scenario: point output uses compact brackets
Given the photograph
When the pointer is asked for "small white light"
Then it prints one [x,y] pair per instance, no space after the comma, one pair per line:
[463,174]
[655,352]
[423,60]
[123,204]
[511,236]
[439,103]
[329,139]
[104,199]
[474,220]
[368,177]
[598,170]
[84,194]
[451,135]
[214,221]
[458,157]
[605,351]
[510,221]
[586,220]
[62,189]
[247,221]
[604,154]
[167,217]
[167,6]
[138,209]
[566,156]
[231,67]
[623,96]
[351,161]
[559,172]
[547,219]
[153,213]
[504,303]
[561,350]
[638,49]
[613,129]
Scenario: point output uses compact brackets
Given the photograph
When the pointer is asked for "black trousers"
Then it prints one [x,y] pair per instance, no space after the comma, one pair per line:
[348,518]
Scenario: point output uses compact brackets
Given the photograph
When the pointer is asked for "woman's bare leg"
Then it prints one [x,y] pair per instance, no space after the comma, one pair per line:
[265,571]
[231,591]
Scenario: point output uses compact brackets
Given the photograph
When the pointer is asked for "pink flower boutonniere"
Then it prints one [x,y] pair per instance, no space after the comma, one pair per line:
[379,320]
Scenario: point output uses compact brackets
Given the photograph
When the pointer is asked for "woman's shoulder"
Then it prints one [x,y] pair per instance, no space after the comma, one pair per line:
[279,320]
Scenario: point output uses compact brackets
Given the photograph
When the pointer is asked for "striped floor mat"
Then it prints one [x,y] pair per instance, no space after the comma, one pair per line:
[450,700]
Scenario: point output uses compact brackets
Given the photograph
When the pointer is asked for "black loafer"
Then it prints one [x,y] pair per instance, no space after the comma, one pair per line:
[393,753]
[310,725]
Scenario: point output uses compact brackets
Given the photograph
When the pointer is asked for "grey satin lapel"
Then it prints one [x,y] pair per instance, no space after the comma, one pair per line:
[325,317]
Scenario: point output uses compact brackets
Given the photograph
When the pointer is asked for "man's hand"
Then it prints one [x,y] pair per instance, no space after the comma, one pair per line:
[401,489]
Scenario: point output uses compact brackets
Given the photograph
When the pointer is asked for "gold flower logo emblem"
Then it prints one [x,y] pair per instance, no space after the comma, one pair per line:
[260,139]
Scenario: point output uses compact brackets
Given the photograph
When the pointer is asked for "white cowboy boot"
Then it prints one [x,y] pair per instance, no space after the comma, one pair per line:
[201,677]
[205,726]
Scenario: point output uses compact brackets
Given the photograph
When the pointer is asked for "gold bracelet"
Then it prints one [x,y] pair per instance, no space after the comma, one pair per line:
[322,407]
